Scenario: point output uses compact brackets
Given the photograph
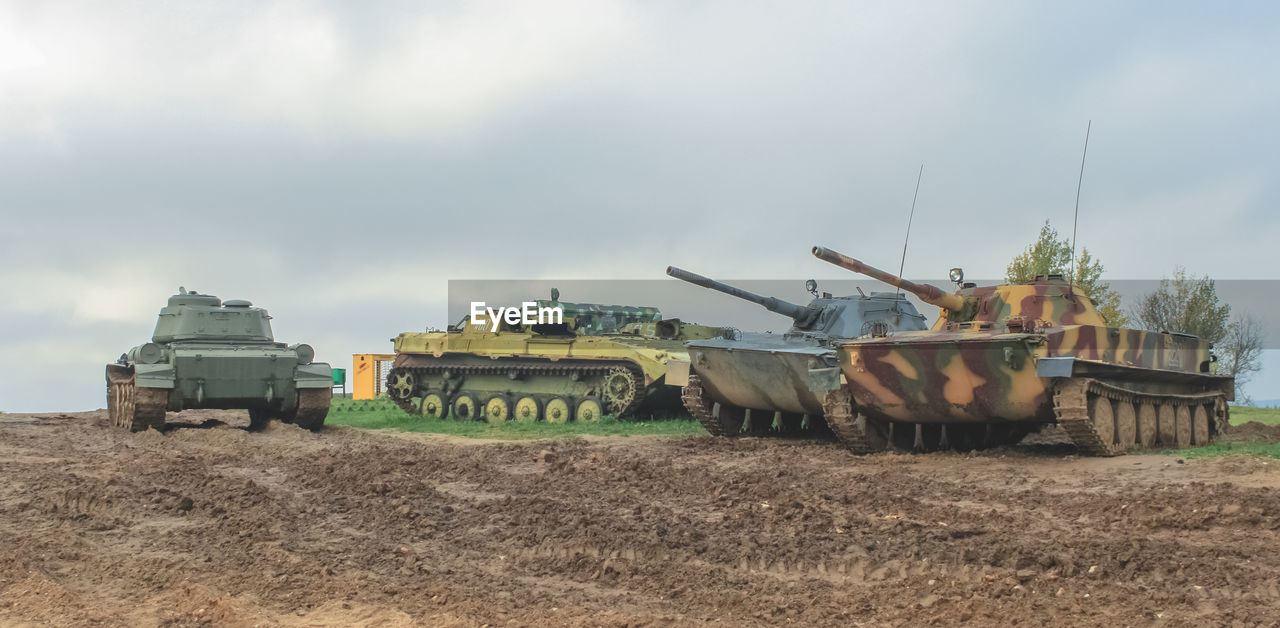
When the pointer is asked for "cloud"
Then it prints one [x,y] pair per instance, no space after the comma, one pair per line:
[425,73]
[113,293]
[1134,232]
[340,164]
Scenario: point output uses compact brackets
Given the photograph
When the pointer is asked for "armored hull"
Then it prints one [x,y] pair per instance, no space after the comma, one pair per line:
[774,384]
[761,372]
[604,360]
[1003,360]
[209,354]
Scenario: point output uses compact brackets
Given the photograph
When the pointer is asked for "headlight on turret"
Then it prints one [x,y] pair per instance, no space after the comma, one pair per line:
[150,353]
[305,353]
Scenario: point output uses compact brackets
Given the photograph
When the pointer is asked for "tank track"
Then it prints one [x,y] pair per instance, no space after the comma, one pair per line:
[133,408]
[729,420]
[313,407]
[406,405]
[1071,408]
[837,407]
[864,435]
[696,402]
[423,372]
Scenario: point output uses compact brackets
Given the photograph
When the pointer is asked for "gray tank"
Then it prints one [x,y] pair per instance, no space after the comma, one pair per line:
[209,353]
[774,384]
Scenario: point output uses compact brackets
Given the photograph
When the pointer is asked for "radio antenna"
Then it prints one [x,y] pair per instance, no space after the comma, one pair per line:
[1075,221]
[910,217]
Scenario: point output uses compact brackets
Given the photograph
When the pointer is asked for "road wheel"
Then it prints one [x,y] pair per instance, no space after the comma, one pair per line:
[1200,425]
[1148,433]
[589,410]
[1182,423]
[497,410]
[557,410]
[1126,426]
[1165,425]
[465,408]
[434,406]
[1104,420]
[115,403]
[125,399]
[526,410]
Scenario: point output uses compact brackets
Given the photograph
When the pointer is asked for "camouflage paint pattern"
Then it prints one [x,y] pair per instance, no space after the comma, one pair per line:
[979,361]
[639,335]
[596,318]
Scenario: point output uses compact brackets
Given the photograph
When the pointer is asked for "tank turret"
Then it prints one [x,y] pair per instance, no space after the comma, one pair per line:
[803,316]
[191,316]
[1047,301]
[929,294]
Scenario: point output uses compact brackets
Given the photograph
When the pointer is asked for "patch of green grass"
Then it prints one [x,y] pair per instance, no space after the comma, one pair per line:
[382,414]
[1216,450]
[1244,414]
[344,404]
[1239,415]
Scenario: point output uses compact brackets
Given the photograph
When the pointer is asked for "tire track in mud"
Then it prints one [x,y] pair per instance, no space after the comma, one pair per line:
[344,526]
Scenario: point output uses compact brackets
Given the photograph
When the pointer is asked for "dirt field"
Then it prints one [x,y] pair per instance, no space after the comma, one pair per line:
[212,524]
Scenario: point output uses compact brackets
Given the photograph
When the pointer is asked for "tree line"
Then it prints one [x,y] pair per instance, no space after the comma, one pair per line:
[1182,303]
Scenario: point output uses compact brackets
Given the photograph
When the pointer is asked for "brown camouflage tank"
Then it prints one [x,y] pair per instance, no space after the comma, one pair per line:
[1003,360]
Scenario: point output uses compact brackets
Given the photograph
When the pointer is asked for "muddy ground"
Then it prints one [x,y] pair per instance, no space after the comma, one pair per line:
[208,523]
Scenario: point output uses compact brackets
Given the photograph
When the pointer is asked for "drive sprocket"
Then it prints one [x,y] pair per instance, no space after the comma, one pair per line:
[619,389]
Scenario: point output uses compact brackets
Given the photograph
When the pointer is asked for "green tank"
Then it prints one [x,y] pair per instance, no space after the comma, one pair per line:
[599,360]
[209,353]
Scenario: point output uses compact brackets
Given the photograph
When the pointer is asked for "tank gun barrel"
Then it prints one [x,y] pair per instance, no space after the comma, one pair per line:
[928,294]
[797,312]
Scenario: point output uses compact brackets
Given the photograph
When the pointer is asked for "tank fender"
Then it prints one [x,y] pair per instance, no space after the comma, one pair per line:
[314,375]
[1055,367]
[824,379]
[677,372]
[154,375]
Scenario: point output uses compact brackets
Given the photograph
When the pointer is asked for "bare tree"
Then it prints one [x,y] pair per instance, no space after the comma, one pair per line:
[1240,353]
[1189,304]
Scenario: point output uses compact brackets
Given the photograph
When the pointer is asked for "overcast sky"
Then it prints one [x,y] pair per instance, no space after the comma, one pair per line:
[338,165]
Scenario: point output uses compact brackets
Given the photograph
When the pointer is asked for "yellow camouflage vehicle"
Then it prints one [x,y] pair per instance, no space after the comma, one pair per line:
[1003,360]
[601,360]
